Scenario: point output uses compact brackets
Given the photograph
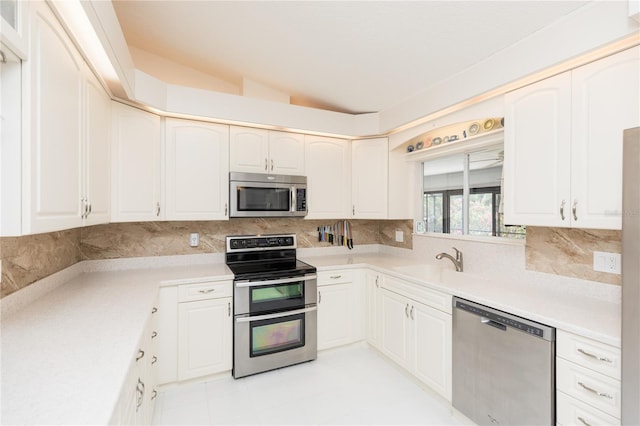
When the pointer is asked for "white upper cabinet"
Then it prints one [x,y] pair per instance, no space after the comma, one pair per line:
[197,170]
[96,193]
[563,145]
[54,147]
[136,149]
[369,171]
[14,26]
[264,151]
[537,150]
[606,100]
[328,165]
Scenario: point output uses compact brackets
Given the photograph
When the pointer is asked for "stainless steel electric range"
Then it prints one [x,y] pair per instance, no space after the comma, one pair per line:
[274,303]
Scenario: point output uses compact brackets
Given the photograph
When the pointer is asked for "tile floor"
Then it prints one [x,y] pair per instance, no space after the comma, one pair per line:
[350,385]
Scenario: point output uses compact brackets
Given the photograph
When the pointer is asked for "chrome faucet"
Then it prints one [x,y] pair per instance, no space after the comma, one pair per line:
[457,261]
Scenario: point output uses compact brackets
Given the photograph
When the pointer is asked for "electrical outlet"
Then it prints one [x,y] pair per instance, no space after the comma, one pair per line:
[194,239]
[607,262]
[399,236]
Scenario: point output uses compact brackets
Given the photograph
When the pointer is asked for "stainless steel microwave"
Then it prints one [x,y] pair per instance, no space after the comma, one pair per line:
[262,195]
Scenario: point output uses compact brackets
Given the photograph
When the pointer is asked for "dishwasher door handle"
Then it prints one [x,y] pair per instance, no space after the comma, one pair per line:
[492,323]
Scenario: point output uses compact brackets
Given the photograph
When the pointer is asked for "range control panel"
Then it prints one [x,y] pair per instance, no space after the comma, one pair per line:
[260,242]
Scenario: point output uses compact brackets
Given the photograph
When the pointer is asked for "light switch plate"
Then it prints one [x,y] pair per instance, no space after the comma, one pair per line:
[399,236]
[194,239]
[607,262]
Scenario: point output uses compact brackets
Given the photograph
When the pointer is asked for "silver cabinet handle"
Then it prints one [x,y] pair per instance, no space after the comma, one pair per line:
[590,355]
[207,290]
[335,277]
[154,394]
[353,209]
[226,209]
[154,310]
[83,208]
[584,422]
[154,360]
[140,355]
[154,335]
[319,297]
[278,315]
[604,395]
[411,312]
[406,310]
[266,167]
[140,391]
[158,209]
[89,211]
[377,276]
[574,208]
[228,309]
[562,210]
[272,164]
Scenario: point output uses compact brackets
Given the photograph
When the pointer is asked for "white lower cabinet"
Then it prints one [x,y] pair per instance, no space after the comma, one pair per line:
[416,335]
[340,308]
[588,388]
[372,292]
[204,329]
[138,395]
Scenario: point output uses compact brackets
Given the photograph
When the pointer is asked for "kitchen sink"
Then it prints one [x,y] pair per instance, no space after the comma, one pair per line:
[429,273]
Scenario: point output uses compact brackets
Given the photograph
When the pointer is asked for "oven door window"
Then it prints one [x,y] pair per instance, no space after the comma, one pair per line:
[270,199]
[277,297]
[277,334]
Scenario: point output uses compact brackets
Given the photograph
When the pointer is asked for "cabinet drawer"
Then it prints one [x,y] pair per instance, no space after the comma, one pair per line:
[419,293]
[589,353]
[335,277]
[570,412]
[584,384]
[203,291]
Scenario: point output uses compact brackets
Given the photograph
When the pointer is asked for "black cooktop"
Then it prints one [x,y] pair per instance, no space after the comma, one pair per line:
[264,256]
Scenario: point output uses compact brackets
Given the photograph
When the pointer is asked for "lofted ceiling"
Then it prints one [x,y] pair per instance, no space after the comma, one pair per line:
[349,56]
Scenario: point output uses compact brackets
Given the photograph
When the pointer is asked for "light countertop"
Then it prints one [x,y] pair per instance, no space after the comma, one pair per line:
[65,354]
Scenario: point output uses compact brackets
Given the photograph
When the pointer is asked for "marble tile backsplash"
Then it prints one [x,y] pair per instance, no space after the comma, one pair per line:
[30,258]
[567,252]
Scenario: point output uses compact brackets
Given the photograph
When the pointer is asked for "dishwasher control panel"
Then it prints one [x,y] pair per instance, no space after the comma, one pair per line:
[501,319]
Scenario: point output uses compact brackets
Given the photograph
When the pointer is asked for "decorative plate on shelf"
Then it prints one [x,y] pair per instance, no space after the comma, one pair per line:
[488,124]
[420,145]
[474,128]
[436,141]
[410,148]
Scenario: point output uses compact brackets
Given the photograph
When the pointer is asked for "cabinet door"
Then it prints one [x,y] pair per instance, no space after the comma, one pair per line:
[286,153]
[431,343]
[606,101]
[136,165]
[204,337]
[197,172]
[249,150]
[52,197]
[369,170]
[537,151]
[328,166]
[96,152]
[334,315]
[394,312]
[372,289]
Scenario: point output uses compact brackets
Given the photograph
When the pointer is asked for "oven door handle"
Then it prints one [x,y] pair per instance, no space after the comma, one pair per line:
[248,283]
[278,315]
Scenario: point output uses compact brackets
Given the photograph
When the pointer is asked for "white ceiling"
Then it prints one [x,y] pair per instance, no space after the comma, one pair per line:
[351,56]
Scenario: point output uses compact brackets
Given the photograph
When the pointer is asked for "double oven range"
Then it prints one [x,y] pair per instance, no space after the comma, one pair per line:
[274,304]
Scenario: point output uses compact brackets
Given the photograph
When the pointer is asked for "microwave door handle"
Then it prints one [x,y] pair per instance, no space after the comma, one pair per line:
[294,199]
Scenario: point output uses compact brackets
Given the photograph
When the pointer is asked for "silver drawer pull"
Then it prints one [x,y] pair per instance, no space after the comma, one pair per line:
[335,277]
[140,355]
[154,334]
[584,422]
[590,355]
[207,290]
[604,395]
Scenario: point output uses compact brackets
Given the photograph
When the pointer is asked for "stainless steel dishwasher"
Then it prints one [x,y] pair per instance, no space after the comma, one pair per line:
[503,367]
